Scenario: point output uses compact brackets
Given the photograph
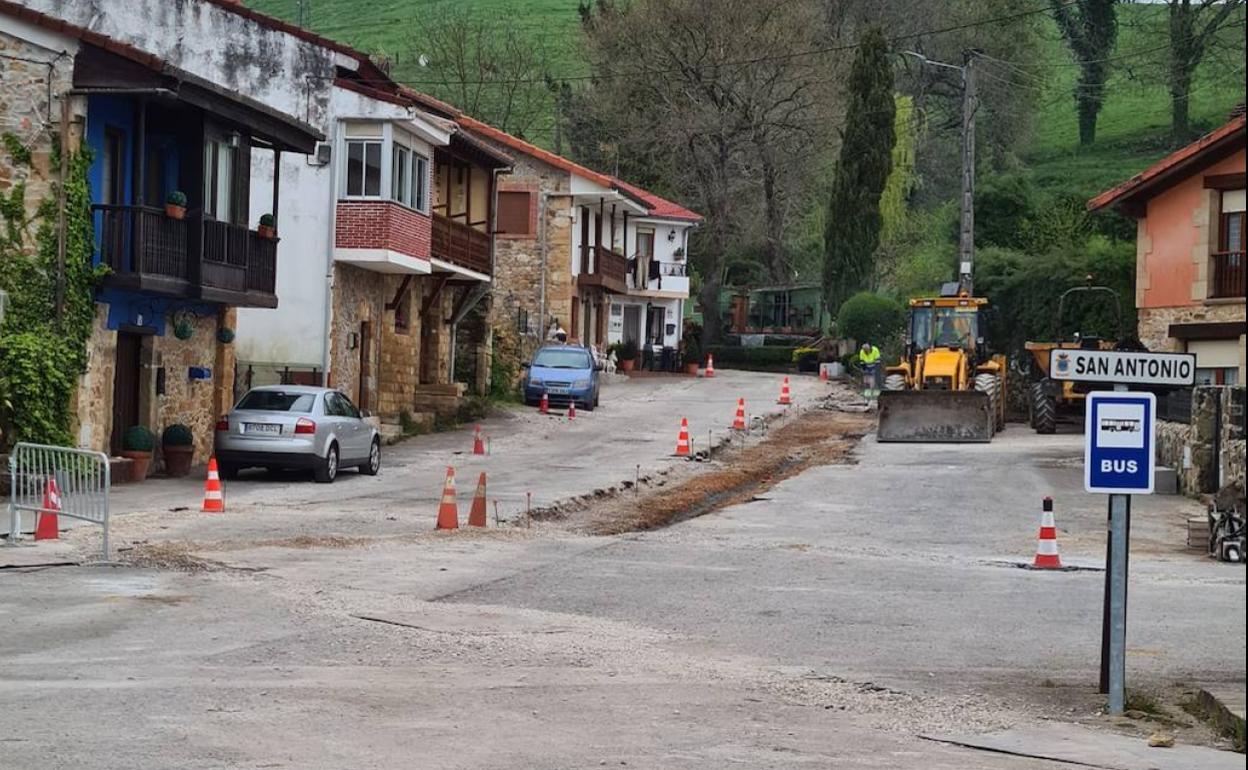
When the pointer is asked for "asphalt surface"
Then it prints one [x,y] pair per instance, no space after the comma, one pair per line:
[829,623]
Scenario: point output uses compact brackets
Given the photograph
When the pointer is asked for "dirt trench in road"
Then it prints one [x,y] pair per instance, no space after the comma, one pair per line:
[810,438]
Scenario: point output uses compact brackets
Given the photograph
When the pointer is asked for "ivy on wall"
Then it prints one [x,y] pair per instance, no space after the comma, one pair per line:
[42,355]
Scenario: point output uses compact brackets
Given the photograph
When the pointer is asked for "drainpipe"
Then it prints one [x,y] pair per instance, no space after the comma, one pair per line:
[541,247]
[329,255]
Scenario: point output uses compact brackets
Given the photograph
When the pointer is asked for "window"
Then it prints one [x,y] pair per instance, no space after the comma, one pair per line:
[645,243]
[219,180]
[513,213]
[1231,235]
[401,174]
[420,182]
[364,167]
[277,401]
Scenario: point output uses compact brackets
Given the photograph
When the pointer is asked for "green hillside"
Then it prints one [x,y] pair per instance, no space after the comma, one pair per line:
[1132,132]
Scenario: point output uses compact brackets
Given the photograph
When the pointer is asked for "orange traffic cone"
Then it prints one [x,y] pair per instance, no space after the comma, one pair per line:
[784,393]
[214,499]
[710,365]
[572,409]
[448,512]
[476,514]
[1046,548]
[738,422]
[48,526]
[823,373]
[478,445]
[544,406]
[682,441]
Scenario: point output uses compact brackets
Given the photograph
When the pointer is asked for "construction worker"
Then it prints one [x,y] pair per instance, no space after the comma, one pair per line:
[869,358]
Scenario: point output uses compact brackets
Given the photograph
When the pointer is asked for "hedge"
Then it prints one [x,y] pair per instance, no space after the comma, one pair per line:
[769,358]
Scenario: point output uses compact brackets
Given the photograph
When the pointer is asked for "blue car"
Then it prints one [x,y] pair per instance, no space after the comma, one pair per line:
[565,373]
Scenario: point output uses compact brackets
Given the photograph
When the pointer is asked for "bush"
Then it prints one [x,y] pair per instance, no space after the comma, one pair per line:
[771,358]
[867,317]
[626,350]
[138,438]
[37,382]
[177,435]
[176,198]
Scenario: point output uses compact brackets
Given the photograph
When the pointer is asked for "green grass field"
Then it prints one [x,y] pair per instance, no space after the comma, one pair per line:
[1132,131]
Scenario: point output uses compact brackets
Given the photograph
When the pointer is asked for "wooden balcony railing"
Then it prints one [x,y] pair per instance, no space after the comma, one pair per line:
[460,244]
[192,257]
[1228,274]
[608,269]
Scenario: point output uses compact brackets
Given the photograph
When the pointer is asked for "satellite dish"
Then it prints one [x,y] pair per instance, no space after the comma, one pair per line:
[422,60]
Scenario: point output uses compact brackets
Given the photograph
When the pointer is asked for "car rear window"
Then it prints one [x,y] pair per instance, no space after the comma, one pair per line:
[562,358]
[277,401]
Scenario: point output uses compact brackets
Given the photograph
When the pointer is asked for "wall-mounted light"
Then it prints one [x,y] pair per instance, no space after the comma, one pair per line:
[353,340]
[235,139]
[671,235]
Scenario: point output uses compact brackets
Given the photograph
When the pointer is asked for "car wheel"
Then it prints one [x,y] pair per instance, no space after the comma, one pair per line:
[373,465]
[327,471]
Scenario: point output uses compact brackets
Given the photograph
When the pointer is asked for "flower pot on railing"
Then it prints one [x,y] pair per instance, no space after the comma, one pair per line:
[175,205]
[267,227]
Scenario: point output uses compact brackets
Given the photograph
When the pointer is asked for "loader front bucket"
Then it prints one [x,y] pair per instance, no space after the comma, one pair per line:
[955,416]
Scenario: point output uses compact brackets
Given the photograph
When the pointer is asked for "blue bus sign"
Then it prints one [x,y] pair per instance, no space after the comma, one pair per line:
[1120,443]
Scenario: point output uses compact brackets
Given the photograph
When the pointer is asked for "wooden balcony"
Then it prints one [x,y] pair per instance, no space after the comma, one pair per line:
[461,245]
[1228,275]
[193,258]
[607,268]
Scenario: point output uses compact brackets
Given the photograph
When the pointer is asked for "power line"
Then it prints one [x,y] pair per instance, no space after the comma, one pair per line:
[644,71]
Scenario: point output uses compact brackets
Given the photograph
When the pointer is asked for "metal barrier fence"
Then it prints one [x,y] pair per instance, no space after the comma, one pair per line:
[82,480]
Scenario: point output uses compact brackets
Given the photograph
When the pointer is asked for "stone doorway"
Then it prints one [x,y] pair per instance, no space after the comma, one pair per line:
[127,378]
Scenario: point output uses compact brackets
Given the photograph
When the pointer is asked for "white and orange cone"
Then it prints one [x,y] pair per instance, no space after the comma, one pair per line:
[478,444]
[710,365]
[476,514]
[738,422]
[1046,548]
[785,398]
[572,409]
[544,406]
[682,441]
[48,526]
[214,497]
[448,512]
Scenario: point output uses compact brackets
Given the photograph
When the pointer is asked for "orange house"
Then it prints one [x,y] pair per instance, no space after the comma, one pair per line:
[1189,285]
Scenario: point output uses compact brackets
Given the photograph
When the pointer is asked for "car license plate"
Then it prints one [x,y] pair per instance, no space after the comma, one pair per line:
[261,427]
[557,391]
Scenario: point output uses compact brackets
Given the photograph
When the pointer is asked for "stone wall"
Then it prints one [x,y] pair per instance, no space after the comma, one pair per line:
[1189,448]
[358,298]
[400,350]
[1154,323]
[94,408]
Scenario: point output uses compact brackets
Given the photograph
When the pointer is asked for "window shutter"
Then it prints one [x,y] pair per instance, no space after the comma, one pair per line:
[513,213]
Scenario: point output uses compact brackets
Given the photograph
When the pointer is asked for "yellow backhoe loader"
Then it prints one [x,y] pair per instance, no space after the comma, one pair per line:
[947,387]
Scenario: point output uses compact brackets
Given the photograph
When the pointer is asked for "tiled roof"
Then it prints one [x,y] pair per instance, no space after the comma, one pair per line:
[532,150]
[1187,159]
[660,208]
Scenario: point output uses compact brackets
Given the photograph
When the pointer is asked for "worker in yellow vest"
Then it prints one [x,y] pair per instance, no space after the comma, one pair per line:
[869,358]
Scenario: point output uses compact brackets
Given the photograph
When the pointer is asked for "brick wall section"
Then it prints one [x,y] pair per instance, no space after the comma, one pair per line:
[383,225]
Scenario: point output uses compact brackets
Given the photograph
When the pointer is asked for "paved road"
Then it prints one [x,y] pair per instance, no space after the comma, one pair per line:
[824,625]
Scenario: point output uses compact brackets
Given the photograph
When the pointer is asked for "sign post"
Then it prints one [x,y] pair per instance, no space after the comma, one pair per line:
[1119,459]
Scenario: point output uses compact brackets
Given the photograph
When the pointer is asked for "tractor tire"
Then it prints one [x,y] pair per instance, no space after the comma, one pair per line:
[894,382]
[1043,410]
[991,384]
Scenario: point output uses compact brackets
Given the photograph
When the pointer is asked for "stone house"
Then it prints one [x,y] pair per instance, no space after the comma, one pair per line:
[393,213]
[1190,250]
[602,258]
[169,97]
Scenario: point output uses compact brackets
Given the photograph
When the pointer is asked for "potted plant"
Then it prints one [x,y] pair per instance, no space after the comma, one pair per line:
[175,205]
[137,444]
[678,254]
[177,444]
[626,356]
[225,335]
[267,227]
[693,355]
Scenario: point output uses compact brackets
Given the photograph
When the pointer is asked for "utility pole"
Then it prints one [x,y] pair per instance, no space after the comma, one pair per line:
[966,228]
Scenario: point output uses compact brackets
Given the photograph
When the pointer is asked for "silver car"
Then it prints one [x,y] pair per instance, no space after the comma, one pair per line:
[297,426]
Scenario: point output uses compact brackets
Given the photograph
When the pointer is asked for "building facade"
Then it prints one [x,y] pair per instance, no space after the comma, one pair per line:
[1190,251]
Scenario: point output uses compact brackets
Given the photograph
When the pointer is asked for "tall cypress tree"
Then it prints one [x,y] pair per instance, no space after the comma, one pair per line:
[852,233]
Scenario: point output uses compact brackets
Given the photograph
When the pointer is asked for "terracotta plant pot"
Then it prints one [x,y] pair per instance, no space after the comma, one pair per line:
[691,368]
[178,460]
[264,231]
[625,365]
[141,462]
[175,212]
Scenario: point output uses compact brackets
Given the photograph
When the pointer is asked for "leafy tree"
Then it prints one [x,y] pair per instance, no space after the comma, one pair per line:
[868,317]
[1090,28]
[854,220]
[1193,28]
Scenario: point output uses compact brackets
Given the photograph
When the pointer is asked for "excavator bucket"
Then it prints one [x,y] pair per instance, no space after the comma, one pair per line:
[954,416]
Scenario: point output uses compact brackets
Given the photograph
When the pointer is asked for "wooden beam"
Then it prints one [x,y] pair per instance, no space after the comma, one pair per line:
[1225,181]
[435,294]
[400,293]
